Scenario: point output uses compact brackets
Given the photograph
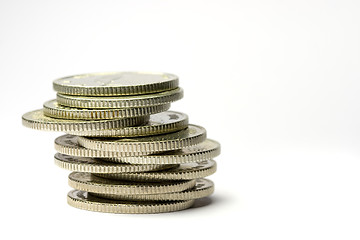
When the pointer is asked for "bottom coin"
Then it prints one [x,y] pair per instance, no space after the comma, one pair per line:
[84,200]
[203,188]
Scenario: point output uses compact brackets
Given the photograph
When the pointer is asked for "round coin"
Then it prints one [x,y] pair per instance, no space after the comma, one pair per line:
[37,120]
[183,172]
[53,109]
[91,183]
[120,101]
[205,150]
[94,165]
[203,188]
[68,144]
[147,145]
[84,200]
[116,83]
[160,123]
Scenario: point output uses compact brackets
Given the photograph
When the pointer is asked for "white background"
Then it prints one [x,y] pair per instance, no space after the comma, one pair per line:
[276,82]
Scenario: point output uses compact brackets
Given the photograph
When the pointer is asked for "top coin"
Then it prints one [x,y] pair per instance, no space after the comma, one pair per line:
[116,83]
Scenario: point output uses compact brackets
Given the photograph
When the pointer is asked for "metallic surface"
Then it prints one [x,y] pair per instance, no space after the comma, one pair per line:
[160,123]
[147,145]
[37,120]
[203,188]
[86,201]
[53,109]
[120,101]
[91,183]
[183,172]
[116,83]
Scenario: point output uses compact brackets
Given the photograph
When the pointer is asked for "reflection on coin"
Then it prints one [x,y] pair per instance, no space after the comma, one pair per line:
[183,172]
[160,123]
[94,165]
[53,109]
[68,144]
[86,201]
[116,83]
[147,145]
[203,188]
[120,101]
[205,150]
[37,120]
[91,183]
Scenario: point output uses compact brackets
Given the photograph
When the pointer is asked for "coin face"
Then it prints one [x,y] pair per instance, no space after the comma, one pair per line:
[183,172]
[190,136]
[144,100]
[37,120]
[91,183]
[86,201]
[95,165]
[160,123]
[205,150]
[203,188]
[116,83]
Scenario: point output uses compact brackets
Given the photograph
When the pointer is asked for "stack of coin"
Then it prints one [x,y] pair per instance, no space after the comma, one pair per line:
[129,153]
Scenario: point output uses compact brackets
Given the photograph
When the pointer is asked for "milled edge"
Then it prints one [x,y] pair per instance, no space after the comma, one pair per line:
[189,194]
[163,175]
[111,207]
[144,147]
[72,101]
[101,114]
[117,91]
[128,189]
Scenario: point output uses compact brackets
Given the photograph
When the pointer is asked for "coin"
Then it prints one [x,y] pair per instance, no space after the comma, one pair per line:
[84,200]
[116,83]
[94,165]
[147,145]
[160,123]
[120,101]
[53,109]
[91,183]
[37,120]
[205,150]
[68,144]
[203,188]
[183,172]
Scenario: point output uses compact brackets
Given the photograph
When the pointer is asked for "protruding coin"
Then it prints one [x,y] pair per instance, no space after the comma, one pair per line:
[120,101]
[183,172]
[116,83]
[160,123]
[37,120]
[203,188]
[91,183]
[94,165]
[147,145]
[205,150]
[84,200]
[53,109]
[68,144]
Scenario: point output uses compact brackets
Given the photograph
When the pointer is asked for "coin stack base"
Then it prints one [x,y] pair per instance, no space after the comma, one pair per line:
[127,151]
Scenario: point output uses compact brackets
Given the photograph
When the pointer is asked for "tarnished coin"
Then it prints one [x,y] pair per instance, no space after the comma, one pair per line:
[183,172]
[160,123]
[205,150]
[147,145]
[116,83]
[94,165]
[91,183]
[37,120]
[53,109]
[203,188]
[68,144]
[120,101]
[84,200]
